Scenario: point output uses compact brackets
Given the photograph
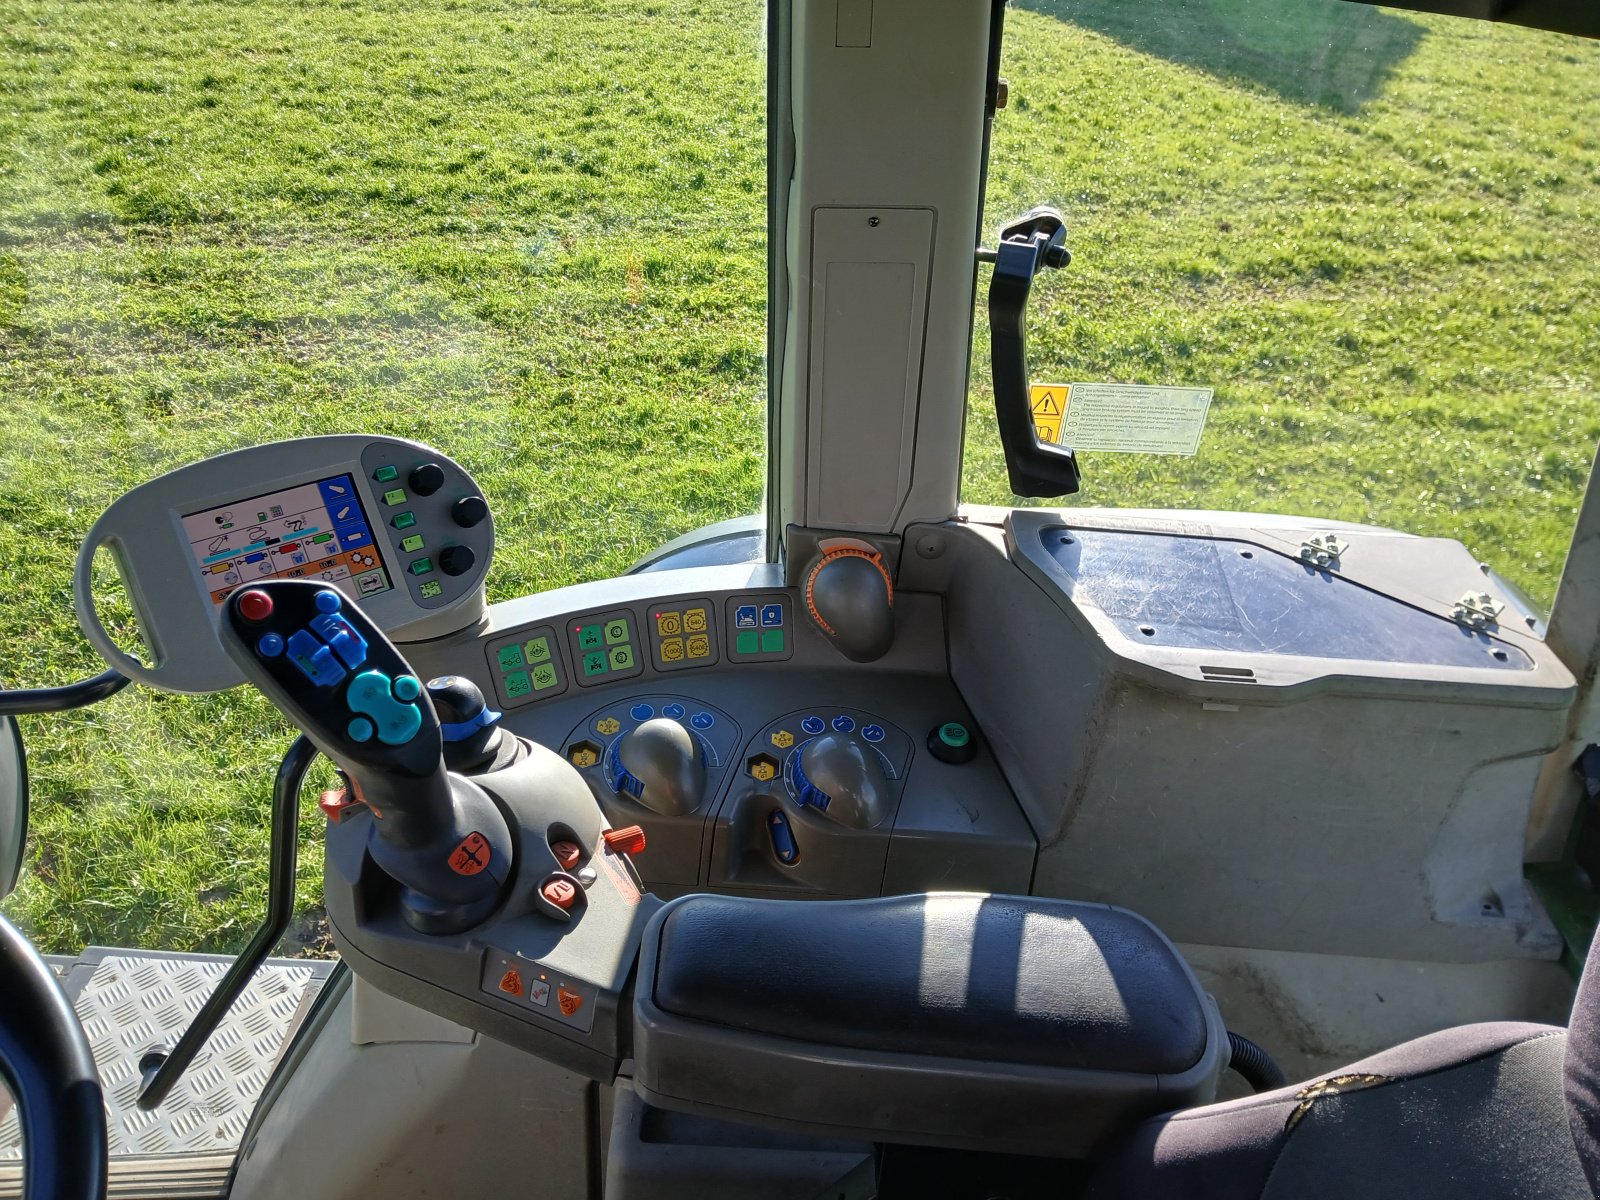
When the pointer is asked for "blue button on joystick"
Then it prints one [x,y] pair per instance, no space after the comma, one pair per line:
[844,724]
[641,712]
[812,725]
[370,695]
[360,730]
[270,645]
[702,720]
[675,711]
[328,601]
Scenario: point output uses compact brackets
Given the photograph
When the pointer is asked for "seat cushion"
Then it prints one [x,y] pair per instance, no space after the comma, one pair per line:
[1005,979]
[1475,1112]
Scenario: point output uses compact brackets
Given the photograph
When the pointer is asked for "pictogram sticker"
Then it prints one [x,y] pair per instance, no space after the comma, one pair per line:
[570,1002]
[1047,401]
[511,982]
[472,855]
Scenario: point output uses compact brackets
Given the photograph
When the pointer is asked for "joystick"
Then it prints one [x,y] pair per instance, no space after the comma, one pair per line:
[474,742]
[331,671]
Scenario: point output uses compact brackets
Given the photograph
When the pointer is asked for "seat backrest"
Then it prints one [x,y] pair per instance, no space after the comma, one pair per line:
[1582,1069]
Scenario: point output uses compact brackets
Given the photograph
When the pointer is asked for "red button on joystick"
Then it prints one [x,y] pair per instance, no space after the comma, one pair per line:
[255,606]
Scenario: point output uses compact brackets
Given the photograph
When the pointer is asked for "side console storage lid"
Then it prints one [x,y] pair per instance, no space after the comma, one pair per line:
[1006,1023]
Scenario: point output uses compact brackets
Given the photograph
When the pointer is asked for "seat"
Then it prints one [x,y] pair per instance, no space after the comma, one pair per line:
[1484,1111]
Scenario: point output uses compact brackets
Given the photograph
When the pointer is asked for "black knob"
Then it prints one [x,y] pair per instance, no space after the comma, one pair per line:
[456,699]
[427,478]
[953,743]
[456,560]
[468,511]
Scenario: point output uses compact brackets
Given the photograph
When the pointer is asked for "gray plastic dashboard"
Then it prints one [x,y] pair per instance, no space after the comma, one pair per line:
[576,669]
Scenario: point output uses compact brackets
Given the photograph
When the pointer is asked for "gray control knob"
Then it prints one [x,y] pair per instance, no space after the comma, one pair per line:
[659,764]
[842,779]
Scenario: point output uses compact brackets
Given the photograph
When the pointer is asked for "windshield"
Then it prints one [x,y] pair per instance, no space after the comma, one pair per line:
[1372,234]
[530,235]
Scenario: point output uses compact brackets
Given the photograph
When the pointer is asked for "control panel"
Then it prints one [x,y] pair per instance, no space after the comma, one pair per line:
[755,756]
[388,522]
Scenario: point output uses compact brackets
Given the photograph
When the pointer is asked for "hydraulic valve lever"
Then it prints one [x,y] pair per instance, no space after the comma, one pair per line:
[322,661]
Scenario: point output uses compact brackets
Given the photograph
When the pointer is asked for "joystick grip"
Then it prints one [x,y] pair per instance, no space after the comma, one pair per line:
[322,661]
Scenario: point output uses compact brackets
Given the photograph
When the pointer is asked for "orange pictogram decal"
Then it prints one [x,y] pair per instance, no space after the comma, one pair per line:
[472,855]
[511,982]
[570,1002]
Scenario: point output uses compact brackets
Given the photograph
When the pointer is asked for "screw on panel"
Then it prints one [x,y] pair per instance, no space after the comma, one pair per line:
[931,546]
[874,222]
[1323,550]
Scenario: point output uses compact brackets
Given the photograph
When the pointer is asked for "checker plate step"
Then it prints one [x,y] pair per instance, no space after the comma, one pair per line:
[133,1001]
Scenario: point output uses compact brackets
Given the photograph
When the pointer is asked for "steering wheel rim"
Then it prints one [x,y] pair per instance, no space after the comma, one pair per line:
[45,1061]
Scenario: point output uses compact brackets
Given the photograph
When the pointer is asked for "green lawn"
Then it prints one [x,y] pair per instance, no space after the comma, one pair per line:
[532,234]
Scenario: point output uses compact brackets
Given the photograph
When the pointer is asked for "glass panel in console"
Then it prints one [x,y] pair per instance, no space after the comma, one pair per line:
[1227,595]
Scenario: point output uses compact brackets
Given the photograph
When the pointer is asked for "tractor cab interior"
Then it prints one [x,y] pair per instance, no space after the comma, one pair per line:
[881,845]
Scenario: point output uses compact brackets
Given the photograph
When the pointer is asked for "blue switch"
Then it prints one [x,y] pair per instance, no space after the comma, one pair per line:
[341,637]
[783,847]
[812,725]
[316,661]
[328,601]
[675,711]
[641,712]
[373,695]
[270,645]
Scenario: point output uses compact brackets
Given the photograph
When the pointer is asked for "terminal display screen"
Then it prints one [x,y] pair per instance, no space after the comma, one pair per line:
[315,530]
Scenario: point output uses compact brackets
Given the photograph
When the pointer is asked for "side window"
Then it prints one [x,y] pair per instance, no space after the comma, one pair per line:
[1369,232]
[532,236]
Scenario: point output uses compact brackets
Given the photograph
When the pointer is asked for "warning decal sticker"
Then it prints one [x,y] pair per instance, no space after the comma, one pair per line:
[1124,418]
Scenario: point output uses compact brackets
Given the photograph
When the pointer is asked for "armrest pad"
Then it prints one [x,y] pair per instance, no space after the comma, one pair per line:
[1008,979]
[989,1022]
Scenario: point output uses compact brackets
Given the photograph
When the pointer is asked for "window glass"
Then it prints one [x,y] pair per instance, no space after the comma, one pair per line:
[1373,233]
[532,235]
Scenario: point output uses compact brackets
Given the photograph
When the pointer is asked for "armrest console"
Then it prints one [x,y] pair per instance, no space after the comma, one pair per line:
[991,1022]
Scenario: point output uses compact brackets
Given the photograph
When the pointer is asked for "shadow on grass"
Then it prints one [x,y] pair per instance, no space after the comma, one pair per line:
[1329,53]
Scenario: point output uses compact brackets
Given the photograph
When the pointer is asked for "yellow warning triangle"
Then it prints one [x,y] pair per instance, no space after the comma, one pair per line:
[1046,403]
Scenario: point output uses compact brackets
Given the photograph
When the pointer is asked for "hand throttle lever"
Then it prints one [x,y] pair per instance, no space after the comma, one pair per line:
[322,661]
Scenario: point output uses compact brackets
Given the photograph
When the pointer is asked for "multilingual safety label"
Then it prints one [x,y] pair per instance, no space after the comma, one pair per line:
[1125,418]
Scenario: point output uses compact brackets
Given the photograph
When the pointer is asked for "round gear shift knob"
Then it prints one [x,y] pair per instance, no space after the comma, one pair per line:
[660,765]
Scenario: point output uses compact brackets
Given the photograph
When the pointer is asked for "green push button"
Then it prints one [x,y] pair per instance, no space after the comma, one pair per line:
[589,638]
[954,735]
[621,658]
[404,520]
[412,544]
[748,642]
[544,676]
[394,496]
[386,474]
[518,684]
[510,658]
[537,649]
[594,662]
[617,632]
[422,566]
[772,641]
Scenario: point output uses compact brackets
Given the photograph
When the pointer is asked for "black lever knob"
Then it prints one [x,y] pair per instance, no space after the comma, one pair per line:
[469,727]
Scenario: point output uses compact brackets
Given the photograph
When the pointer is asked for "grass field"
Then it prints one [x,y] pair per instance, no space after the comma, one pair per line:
[532,234]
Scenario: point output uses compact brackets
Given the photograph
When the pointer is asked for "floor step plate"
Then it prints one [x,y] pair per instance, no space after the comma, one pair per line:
[131,1002]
